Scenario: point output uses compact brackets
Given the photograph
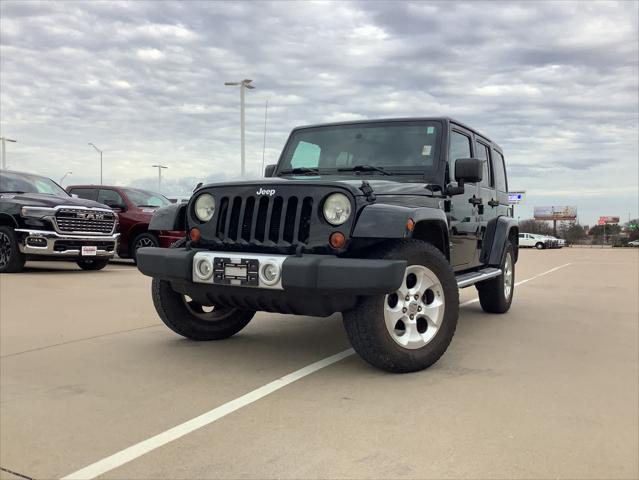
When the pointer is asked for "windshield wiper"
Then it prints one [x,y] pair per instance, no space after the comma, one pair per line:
[301,171]
[19,192]
[364,168]
[143,205]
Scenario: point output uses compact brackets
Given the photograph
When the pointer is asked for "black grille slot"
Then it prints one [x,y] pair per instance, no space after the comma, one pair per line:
[234,218]
[281,220]
[305,219]
[71,220]
[289,220]
[276,215]
[247,219]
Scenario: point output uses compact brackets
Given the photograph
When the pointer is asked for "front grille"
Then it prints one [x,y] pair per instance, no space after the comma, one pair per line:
[276,220]
[71,220]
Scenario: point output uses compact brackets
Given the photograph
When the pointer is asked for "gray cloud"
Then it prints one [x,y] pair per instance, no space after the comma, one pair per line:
[555,83]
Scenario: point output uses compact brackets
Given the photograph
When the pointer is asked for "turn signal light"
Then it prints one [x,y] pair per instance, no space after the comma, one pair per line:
[195,235]
[337,240]
[410,224]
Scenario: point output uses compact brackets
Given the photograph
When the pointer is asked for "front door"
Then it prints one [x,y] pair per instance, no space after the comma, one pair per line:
[464,227]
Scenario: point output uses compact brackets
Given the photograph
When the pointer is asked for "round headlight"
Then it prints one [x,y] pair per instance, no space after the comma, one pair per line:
[205,207]
[337,208]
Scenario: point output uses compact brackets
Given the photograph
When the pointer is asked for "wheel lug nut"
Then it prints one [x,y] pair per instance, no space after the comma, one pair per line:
[412,316]
[416,297]
[404,310]
[407,298]
[419,309]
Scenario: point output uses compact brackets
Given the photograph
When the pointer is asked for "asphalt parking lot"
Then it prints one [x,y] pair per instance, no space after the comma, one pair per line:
[548,390]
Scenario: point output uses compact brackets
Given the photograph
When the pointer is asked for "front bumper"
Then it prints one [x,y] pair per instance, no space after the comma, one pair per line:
[48,243]
[310,284]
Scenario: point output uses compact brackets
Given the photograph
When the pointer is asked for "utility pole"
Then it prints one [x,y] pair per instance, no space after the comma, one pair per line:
[159,167]
[264,143]
[100,152]
[244,84]
[64,176]
[4,150]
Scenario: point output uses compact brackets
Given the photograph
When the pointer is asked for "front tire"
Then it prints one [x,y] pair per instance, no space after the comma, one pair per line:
[410,329]
[195,321]
[496,295]
[540,246]
[11,259]
[92,264]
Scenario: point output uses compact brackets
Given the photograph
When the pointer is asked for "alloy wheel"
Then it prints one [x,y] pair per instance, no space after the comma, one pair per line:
[508,275]
[5,249]
[413,314]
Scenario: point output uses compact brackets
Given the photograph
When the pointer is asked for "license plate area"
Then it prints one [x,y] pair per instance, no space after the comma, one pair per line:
[89,251]
[241,272]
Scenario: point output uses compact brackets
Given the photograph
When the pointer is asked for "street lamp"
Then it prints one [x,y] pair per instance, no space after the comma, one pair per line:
[159,167]
[64,176]
[100,152]
[246,83]
[4,151]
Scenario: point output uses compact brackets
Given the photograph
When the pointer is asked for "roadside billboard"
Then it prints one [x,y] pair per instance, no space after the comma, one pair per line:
[517,197]
[555,213]
[608,221]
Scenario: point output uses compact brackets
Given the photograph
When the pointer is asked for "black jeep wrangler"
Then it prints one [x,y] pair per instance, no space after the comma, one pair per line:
[381,220]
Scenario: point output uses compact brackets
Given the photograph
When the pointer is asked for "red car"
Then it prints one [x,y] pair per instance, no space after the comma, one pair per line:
[135,208]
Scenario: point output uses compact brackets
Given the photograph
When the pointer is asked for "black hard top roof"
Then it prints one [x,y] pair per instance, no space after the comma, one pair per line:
[402,119]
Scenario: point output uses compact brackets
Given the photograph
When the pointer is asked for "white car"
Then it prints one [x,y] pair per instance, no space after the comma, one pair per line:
[534,241]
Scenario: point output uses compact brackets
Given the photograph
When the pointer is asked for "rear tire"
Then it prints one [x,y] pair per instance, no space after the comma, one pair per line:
[496,295]
[92,264]
[11,259]
[540,246]
[380,327]
[194,321]
[145,239]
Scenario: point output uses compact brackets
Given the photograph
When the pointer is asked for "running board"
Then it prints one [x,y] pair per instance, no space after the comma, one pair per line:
[467,279]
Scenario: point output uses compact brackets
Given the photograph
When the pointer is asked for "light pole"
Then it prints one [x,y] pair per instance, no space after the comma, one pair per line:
[4,151]
[100,152]
[64,176]
[246,83]
[159,167]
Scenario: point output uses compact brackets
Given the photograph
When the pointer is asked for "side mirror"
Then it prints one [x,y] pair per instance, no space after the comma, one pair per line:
[468,170]
[269,170]
[75,195]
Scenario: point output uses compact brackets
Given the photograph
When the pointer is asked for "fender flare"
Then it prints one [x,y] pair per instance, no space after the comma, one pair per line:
[171,217]
[7,219]
[383,220]
[497,233]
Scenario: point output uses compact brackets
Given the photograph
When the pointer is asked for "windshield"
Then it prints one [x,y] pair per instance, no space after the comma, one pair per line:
[11,182]
[374,148]
[143,198]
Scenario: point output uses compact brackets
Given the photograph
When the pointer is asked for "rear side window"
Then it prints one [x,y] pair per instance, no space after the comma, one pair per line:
[88,193]
[482,152]
[500,172]
[110,198]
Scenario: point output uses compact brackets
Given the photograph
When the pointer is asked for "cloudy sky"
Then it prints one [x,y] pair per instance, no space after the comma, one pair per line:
[555,84]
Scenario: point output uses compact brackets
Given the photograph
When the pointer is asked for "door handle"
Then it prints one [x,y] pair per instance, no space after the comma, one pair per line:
[476,201]
[493,203]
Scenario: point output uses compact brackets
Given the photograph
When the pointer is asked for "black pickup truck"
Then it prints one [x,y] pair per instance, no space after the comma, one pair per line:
[382,220]
[39,220]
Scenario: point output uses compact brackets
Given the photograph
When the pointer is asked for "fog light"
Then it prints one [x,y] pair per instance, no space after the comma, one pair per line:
[37,242]
[203,268]
[337,240]
[270,273]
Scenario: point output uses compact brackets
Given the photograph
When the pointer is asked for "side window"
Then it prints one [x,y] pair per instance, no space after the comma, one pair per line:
[87,193]
[459,148]
[306,155]
[482,152]
[110,198]
[499,172]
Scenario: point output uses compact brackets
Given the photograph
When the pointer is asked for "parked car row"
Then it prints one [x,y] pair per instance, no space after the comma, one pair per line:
[540,242]
[88,224]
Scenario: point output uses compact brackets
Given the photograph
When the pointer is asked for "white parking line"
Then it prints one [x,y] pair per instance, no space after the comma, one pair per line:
[135,451]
